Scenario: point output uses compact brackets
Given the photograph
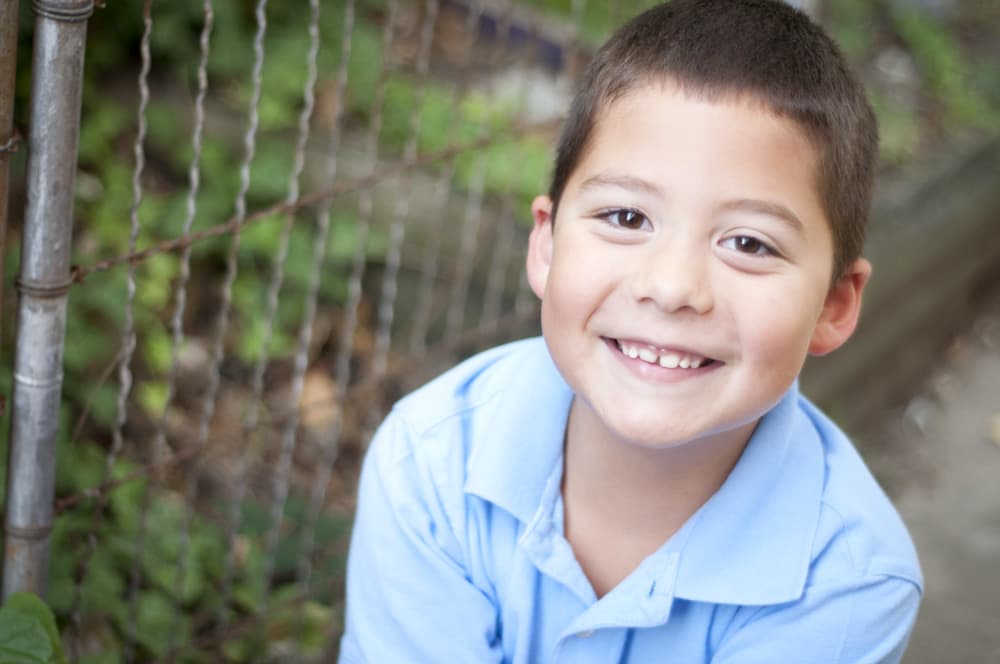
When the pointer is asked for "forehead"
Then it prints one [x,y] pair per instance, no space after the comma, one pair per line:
[705,148]
[731,122]
[749,104]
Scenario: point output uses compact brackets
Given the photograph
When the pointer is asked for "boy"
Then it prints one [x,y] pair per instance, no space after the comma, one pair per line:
[647,485]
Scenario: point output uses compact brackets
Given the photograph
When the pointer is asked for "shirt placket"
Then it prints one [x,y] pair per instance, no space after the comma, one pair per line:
[599,633]
[550,552]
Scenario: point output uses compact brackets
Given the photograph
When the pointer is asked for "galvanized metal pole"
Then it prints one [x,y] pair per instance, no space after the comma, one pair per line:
[57,73]
[8,139]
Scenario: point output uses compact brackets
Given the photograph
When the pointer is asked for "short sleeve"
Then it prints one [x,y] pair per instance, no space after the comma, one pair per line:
[868,621]
[409,597]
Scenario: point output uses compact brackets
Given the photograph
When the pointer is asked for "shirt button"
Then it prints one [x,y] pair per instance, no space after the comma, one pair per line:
[586,634]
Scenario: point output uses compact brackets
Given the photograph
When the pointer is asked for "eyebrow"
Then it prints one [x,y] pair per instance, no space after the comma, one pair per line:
[629,182]
[755,205]
[769,208]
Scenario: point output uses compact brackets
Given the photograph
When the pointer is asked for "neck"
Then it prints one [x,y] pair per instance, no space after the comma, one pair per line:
[645,494]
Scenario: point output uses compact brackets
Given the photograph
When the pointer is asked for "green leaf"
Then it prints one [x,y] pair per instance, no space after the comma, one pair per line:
[80,466]
[28,632]
[103,588]
[153,397]
[157,617]
[24,640]
[302,626]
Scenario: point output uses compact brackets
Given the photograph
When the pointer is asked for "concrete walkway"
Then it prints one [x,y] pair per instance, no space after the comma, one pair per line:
[948,448]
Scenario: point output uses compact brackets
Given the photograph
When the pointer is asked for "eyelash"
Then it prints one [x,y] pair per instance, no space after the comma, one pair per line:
[761,248]
[609,215]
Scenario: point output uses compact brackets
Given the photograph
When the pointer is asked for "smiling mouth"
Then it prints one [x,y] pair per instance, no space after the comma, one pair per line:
[666,358]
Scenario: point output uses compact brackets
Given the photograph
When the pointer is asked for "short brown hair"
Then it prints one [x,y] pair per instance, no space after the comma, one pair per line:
[728,48]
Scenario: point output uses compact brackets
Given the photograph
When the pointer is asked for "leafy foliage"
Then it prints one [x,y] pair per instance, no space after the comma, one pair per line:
[927,78]
[28,633]
[170,608]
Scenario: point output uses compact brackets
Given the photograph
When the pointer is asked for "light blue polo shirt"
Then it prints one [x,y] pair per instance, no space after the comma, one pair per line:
[458,552]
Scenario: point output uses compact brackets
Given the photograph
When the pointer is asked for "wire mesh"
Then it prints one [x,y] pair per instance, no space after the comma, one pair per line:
[128,334]
[288,439]
[383,242]
[159,446]
[387,302]
[442,192]
[208,404]
[329,450]
[125,377]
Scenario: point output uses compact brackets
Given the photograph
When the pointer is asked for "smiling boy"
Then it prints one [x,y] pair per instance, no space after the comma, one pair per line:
[646,484]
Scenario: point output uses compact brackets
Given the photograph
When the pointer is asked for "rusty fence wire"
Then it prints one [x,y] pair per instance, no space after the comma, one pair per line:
[306,219]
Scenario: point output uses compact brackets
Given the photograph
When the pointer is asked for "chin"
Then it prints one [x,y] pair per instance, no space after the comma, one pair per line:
[668,436]
[656,438]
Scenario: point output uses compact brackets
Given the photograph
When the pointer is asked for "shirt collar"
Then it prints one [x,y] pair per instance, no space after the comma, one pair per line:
[521,442]
[750,544]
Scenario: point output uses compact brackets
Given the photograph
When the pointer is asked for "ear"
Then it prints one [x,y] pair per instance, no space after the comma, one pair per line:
[841,310]
[540,245]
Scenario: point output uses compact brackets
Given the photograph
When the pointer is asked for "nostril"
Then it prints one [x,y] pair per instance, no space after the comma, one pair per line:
[673,286]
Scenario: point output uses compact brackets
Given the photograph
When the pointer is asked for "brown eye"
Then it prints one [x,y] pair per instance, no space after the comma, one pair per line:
[746,244]
[626,218]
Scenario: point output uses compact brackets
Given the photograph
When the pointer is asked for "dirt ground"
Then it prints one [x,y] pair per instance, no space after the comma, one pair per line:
[942,467]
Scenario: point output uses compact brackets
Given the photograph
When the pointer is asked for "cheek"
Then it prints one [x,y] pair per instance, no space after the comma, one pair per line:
[777,330]
[577,285]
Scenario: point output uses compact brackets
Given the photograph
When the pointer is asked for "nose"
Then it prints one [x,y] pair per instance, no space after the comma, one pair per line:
[673,279]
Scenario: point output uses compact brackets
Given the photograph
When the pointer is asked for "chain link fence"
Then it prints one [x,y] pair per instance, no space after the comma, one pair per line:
[276,235]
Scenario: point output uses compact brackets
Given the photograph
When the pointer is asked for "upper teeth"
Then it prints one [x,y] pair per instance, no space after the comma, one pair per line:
[667,359]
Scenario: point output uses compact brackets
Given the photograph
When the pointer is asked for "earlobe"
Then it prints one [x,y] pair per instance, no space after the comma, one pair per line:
[540,245]
[841,310]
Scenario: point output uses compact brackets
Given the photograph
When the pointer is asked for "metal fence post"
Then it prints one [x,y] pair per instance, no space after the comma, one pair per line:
[57,73]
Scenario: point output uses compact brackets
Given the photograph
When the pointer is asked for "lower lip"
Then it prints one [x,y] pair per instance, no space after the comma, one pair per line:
[655,372]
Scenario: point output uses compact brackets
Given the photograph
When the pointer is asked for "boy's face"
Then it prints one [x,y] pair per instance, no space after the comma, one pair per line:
[688,275]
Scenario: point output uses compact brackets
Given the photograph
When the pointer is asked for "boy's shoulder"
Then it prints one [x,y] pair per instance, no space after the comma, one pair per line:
[799,510]
[859,531]
[493,421]
[507,393]
[510,370]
